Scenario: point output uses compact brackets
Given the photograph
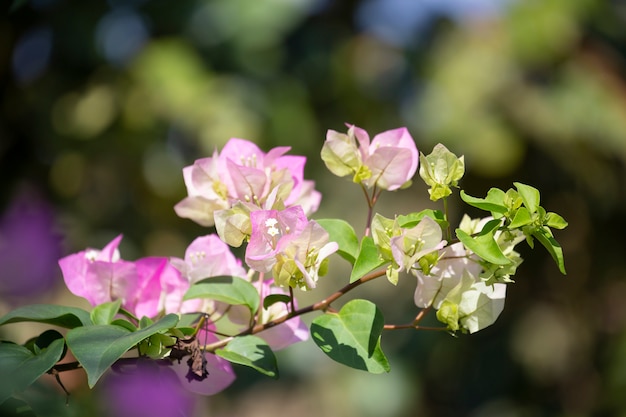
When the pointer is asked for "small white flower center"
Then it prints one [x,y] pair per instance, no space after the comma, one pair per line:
[271,223]
[91,255]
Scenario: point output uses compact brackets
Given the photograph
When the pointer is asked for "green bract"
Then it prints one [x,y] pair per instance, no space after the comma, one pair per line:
[441,170]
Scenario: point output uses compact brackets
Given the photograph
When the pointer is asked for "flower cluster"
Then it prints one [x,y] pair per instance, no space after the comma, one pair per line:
[213,310]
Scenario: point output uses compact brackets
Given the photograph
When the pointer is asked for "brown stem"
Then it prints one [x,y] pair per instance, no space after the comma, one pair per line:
[319,306]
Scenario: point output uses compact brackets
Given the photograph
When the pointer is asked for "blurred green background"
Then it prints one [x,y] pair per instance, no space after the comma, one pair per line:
[103,103]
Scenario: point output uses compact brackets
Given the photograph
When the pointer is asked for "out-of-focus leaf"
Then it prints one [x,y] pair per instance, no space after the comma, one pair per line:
[68,317]
[98,347]
[104,313]
[20,367]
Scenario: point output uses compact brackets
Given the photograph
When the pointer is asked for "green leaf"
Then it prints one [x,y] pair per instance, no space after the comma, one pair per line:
[125,324]
[352,336]
[275,298]
[98,347]
[530,196]
[411,220]
[367,260]
[343,233]
[555,221]
[19,367]
[251,351]
[544,235]
[67,317]
[522,218]
[494,202]
[105,313]
[485,246]
[231,290]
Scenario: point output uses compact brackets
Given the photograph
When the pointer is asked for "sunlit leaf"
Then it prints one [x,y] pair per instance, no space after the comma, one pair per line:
[411,220]
[555,221]
[522,218]
[367,260]
[493,202]
[530,196]
[485,246]
[251,351]
[544,235]
[343,233]
[352,336]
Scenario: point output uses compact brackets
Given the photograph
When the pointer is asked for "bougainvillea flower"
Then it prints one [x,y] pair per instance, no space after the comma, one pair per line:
[99,275]
[244,173]
[388,162]
[471,305]
[208,256]
[145,287]
[416,242]
[289,245]
[432,288]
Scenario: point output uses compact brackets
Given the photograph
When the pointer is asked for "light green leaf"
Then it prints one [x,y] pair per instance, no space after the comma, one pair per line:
[494,202]
[231,290]
[544,235]
[19,367]
[522,218]
[67,317]
[485,246]
[555,221]
[98,347]
[530,196]
[352,336]
[343,233]
[105,313]
[251,351]
[411,220]
[367,260]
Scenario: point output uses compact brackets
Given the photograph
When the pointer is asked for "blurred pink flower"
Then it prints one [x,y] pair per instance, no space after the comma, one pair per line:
[146,287]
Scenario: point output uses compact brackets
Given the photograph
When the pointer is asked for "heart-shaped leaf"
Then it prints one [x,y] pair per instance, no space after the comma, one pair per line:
[251,351]
[352,336]
[98,347]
